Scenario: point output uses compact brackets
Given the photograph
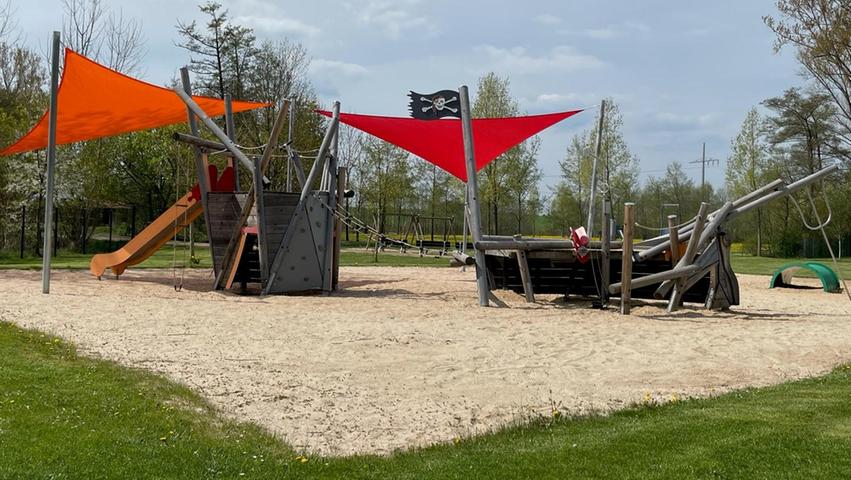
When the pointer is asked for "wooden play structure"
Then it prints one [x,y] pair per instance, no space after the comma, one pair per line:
[289,240]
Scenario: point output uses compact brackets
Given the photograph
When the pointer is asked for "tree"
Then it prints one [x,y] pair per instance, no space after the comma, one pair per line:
[617,174]
[802,124]
[820,31]
[386,183]
[95,32]
[747,165]
[208,47]
[508,174]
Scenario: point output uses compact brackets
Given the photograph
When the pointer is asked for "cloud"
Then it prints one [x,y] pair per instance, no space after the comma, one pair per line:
[676,121]
[609,32]
[395,17]
[321,66]
[518,60]
[547,19]
[603,33]
[548,99]
[278,25]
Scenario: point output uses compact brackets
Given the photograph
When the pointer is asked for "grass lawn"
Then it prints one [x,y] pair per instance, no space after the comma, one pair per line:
[67,416]
[164,258]
[767,266]
[356,255]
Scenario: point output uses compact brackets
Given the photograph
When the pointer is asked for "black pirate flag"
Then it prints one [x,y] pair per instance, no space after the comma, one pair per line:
[435,105]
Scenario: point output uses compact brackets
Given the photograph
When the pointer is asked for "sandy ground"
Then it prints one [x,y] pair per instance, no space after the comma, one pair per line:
[403,357]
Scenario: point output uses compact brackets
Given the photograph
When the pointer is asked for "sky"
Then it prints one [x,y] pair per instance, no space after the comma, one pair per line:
[682,73]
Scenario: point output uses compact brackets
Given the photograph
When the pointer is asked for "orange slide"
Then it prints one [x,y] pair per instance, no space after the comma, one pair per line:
[149,240]
[163,229]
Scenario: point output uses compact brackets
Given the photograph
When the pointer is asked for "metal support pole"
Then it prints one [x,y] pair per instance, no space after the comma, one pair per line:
[51,165]
[589,224]
[473,195]
[231,131]
[626,260]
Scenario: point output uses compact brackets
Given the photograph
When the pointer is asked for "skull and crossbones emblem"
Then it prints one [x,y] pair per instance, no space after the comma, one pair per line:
[438,104]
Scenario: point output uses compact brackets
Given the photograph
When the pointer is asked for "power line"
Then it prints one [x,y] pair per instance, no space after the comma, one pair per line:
[703,161]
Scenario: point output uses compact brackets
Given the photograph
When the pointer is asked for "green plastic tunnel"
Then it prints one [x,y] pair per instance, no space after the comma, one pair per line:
[783,276]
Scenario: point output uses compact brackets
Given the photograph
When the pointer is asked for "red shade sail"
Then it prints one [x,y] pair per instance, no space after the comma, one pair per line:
[95,101]
[441,142]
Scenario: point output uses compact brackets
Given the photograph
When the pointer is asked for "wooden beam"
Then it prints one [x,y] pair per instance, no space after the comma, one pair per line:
[199,142]
[525,275]
[657,277]
[688,258]
[626,261]
[674,234]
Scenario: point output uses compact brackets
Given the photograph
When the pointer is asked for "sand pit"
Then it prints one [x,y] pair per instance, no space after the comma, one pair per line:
[403,357]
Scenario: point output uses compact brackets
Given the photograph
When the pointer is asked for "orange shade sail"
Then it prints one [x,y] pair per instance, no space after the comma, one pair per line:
[95,101]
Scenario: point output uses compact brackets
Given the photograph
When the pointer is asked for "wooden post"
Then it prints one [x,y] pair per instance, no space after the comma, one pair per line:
[673,233]
[51,165]
[525,275]
[605,253]
[626,265]
[589,227]
[331,226]
[473,195]
[342,179]
[201,170]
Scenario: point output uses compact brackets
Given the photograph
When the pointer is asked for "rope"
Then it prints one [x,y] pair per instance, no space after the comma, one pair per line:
[353,222]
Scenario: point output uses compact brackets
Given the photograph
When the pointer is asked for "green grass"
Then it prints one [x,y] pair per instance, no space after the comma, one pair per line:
[356,255]
[67,416]
[767,266]
[164,258]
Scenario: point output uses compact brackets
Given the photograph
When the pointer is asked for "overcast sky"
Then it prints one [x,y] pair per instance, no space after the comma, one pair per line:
[682,72]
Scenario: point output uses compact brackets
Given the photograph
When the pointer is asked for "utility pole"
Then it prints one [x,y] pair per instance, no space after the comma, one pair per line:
[703,161]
